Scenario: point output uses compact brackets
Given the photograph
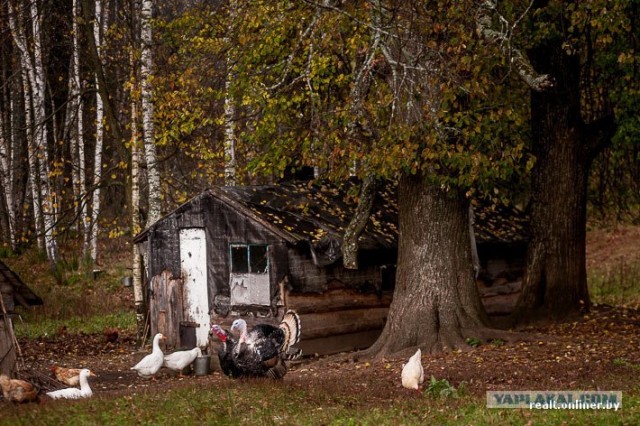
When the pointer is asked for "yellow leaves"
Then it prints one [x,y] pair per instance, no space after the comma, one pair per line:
[626,58]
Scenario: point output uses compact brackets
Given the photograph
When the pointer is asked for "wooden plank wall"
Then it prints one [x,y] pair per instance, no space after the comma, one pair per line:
[7,349]
[166,307]
[340,319]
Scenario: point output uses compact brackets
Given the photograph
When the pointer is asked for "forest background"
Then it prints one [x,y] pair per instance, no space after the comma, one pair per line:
[115,112]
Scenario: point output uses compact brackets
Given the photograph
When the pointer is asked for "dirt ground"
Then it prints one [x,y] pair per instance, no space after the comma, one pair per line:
[600,351]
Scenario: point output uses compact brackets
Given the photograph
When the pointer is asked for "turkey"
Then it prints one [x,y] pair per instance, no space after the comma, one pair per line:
[412,372]
[262,351]
[225,353]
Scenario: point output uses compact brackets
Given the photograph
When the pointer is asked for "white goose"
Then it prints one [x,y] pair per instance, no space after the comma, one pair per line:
[75,393]
[150,364]
[178,360]
[412,372]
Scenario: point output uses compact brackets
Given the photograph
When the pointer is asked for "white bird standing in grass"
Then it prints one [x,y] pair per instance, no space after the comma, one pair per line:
[412,372]
[150,364]
[75,393]
[178,360]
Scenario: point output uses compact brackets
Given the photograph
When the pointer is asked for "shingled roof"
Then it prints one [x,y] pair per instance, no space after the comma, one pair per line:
[315,211]
[318,213]
[21,293]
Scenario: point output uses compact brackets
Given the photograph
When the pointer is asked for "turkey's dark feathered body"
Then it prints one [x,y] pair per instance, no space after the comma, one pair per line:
[225,357]
[262,351]
[259,354]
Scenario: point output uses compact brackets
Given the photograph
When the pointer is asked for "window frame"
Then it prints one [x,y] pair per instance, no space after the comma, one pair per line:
[248,266]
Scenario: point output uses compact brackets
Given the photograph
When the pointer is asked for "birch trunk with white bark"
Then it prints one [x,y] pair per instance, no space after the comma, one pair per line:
[146,94]
[136,266]
[34,83]
[6,178]
[40,115]
[99,28]
[75,122]
[230,109]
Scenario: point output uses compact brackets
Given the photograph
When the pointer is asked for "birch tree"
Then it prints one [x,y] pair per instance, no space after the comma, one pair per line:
[136,266]
[230,103]
[146,97]
[75,126]
[31,59]
[7,177]
[100,26]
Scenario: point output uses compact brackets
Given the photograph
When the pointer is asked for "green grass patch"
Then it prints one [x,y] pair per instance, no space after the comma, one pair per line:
[124,320]
[441,388]
[269,403]
[616,285]
[626,363]
[472,341]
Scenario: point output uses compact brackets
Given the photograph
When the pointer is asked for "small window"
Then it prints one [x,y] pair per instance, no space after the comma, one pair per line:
[249,258]
[239,263]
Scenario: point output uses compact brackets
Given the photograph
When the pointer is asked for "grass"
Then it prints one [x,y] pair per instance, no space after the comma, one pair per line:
[269,403]
[442,388]
[73,295]
[617,284]
[84,304]
[626,363]
[123,320]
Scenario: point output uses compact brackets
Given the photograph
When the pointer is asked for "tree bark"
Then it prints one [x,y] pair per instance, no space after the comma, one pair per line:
[358,222]
[36,129]
[230,104]
[436,304]
[146,93]
[555,282]
[103,86]
[136,264]
[75,121]
[47,195]
[6,182]
[99,29]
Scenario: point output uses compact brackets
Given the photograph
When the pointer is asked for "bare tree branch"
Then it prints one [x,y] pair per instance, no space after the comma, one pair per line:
[488,8]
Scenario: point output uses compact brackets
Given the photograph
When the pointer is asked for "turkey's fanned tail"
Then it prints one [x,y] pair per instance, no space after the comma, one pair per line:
[292,354]
[290,324]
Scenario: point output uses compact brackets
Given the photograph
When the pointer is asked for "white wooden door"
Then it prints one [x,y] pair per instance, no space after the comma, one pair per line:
[193,259]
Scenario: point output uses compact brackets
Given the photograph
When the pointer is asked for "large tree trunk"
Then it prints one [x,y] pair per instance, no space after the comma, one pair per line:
[555,282]
[436,304]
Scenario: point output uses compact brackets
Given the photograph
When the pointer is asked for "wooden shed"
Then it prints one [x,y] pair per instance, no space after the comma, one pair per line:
[254,251]
[13,292]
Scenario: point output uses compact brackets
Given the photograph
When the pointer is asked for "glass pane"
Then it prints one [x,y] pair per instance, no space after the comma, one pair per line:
[239,259]
[258,259]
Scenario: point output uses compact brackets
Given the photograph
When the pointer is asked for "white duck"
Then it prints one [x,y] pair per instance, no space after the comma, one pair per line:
[75,393]
[178,360]
[150,364]
[412,372]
